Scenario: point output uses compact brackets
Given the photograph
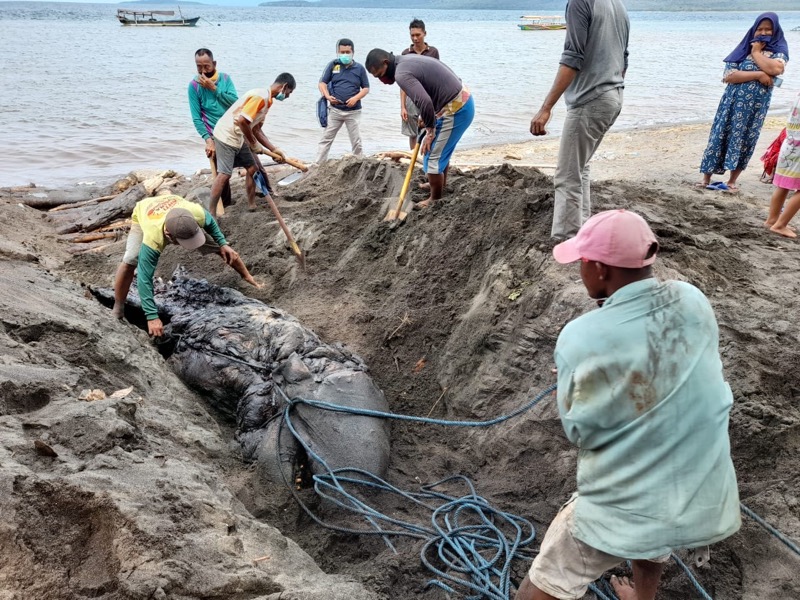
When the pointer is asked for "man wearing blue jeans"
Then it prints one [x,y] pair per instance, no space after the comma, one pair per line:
[591,78]
[446,108]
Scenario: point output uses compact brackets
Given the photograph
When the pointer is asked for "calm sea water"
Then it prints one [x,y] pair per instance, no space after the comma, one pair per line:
[85,99]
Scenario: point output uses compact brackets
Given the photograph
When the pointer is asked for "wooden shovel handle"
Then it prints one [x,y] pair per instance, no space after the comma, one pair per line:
[289,161]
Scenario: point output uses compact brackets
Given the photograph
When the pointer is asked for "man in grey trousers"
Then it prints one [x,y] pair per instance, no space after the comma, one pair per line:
[591,78]
[343,83]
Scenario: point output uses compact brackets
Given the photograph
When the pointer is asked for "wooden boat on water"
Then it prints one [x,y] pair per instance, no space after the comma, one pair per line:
[542,23]
[148,18]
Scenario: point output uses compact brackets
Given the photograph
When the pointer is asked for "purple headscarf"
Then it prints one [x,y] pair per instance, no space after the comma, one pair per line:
[777,43]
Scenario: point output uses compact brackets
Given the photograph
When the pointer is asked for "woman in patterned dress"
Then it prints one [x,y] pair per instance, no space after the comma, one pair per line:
[787,178]
[750,72]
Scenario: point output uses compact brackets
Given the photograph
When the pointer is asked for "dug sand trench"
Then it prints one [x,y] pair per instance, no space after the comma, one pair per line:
[456,313]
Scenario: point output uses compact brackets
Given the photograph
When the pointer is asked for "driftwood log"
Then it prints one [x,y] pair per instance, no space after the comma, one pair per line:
[48,199]
[88,218]
[84,203]
[44,199]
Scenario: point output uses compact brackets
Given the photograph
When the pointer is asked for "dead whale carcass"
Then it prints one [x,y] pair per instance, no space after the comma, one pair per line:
[238,351]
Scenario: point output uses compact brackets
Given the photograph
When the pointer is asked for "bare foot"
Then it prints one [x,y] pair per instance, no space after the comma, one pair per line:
[784,231]
[623,586]
[425,186]
[255,283]
[769,225]
[118,311]
[423,204]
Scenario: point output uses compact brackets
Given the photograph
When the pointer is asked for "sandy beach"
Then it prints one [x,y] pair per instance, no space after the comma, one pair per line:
[663,157]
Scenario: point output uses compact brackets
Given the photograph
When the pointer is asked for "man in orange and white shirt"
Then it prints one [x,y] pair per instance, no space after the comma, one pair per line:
[238,136]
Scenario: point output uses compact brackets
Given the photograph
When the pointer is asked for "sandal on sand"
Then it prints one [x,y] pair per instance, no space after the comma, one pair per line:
[730,188]
[719,186]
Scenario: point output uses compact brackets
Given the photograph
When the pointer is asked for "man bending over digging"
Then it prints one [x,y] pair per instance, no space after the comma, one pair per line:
[446,108]
[157,222]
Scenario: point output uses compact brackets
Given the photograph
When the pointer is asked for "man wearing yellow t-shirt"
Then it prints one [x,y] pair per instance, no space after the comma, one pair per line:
[157,222]
[238,136]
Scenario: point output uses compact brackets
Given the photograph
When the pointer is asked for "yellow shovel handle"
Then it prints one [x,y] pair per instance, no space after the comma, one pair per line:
[407,181]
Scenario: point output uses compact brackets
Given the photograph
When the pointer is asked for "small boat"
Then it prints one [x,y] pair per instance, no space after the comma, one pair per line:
[147,18]
[542,23]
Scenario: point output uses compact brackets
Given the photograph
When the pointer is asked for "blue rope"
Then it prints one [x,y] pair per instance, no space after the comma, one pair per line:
[691,577]
[469,545]
[365,412]
[789,543]
[468,536]
[595,589]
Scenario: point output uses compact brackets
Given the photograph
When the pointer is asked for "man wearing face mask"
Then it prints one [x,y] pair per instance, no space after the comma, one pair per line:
[211,93]
[157,223]
[445,107]
[238,136]
[344,83]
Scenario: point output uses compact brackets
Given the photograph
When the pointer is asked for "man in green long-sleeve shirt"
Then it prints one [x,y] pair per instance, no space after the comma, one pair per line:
[211,93]
[157,222]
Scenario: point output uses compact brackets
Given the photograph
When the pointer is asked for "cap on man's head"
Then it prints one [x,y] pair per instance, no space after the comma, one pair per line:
[184,229]
[617,238]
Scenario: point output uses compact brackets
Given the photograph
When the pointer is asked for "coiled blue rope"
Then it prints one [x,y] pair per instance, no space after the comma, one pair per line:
[468,537]
[469,545]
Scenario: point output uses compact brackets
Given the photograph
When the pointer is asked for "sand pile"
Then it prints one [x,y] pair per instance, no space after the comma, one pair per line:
[456,312]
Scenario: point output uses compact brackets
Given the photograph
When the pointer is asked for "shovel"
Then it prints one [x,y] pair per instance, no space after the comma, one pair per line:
[220,205]
[398,213]
[296,250]
[289,161]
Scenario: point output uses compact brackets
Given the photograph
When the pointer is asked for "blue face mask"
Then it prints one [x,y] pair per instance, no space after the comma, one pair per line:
[280,97]
[345,59]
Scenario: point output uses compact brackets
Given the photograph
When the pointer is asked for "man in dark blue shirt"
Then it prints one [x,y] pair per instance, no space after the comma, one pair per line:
[343,83]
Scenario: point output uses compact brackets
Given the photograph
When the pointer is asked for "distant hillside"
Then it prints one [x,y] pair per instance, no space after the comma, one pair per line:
[537,6]
[161,3]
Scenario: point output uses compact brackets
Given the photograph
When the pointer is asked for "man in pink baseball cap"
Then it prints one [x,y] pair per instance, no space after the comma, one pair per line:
[642,394]
[614,238]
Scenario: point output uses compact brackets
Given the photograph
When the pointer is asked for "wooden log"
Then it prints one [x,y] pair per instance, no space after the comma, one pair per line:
[83,203]
[96,246]
[83,238]
[116,225]
[88,218]
[396,156]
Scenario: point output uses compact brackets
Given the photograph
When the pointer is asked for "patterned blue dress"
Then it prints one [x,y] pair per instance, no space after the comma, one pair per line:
[738,121]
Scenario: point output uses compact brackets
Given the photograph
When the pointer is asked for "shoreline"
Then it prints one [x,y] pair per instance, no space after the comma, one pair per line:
[658,155]
[662,157]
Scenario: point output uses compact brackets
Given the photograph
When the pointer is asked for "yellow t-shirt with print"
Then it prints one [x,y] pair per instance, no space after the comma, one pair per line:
[151,213]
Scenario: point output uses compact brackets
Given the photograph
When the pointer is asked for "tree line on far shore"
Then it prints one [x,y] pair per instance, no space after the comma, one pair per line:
[532,7]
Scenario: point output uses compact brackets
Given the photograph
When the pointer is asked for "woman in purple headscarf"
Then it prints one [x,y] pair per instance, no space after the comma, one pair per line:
[750,72]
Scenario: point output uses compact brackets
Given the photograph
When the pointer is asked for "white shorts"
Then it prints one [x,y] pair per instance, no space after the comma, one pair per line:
[565,566]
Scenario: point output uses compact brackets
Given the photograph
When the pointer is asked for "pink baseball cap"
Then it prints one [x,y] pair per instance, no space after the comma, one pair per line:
[617,238]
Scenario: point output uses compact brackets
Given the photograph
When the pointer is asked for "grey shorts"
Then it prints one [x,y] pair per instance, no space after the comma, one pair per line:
[134,244]
[411,127]
[565,566]
[228,157]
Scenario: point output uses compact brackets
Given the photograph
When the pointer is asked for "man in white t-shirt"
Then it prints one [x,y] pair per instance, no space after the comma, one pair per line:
[238,136]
